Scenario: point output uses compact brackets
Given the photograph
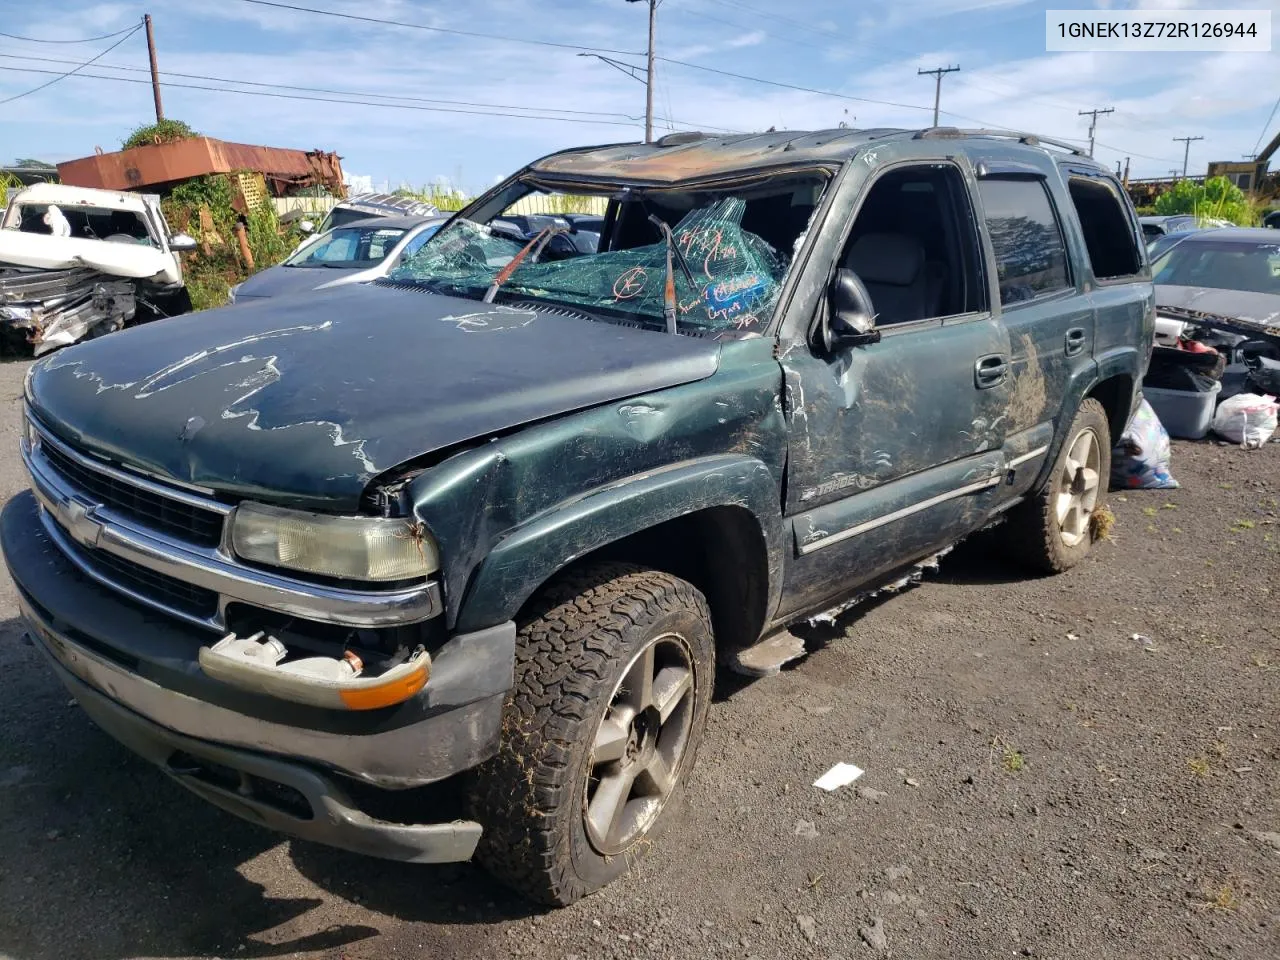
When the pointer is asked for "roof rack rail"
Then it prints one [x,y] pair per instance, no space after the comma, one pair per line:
[1030,139]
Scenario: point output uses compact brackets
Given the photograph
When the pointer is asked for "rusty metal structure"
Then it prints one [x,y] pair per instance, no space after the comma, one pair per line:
[161,165]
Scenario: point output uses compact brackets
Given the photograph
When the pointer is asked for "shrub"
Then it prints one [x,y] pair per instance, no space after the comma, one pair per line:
[162,131]
[1217,198]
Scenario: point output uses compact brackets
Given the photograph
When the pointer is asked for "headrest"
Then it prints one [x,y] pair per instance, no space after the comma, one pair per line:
[892,258]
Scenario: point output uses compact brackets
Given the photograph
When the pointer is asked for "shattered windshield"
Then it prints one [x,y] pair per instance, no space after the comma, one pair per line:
[728,250]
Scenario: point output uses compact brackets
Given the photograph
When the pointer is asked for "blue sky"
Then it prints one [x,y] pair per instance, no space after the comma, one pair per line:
[866,52]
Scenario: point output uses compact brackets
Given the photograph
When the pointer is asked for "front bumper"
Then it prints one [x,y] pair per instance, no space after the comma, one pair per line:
[136,673]
[269,791]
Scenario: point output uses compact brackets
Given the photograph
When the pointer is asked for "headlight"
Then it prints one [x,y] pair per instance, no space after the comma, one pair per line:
[353,548]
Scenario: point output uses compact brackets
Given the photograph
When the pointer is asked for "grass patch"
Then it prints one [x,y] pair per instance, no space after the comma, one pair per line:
[1149,511]
[1102,523]
[1243,525]
[1224,899]
[1199,766]
[1011,758]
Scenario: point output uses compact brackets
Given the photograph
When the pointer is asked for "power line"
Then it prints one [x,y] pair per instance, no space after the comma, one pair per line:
[360,103]
[105,36]
[541,109]
[740,26]
[448,30]
[547,114]
[734,5]
[328,90]
[1134,153]
[1266,126]
[77,69]
[792,86]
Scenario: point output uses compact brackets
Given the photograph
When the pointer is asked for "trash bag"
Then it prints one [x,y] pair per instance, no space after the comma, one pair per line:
[1140,461]
[1247,418]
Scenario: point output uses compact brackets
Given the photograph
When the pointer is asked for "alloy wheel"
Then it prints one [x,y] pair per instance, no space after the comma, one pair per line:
[639,745]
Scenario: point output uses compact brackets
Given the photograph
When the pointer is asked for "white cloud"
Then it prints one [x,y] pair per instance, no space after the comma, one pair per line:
[1156,97]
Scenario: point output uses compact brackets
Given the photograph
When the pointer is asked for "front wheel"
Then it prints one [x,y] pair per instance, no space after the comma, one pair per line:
[1054,530]
[613,680]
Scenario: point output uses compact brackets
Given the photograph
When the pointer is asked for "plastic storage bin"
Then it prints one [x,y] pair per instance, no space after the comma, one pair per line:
[1184,413]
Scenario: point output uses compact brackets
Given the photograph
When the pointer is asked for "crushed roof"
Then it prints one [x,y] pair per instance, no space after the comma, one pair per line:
[670,159]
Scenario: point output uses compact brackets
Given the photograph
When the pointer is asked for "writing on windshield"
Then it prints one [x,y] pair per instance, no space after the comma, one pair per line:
[728,282]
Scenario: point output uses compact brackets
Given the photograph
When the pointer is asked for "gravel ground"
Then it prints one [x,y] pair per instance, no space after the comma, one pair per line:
[1040,782]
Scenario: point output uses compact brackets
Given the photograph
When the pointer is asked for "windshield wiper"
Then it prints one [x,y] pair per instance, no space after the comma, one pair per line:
[540,240]
[669,302]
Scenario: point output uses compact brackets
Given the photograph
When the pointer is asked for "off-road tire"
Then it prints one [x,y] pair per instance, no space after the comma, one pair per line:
[1032,533]
[578,638]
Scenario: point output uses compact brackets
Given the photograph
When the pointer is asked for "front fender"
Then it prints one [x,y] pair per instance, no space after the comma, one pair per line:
[534,552]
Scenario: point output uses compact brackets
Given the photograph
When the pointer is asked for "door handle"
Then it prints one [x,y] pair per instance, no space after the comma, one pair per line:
[990,371]
[1075,342]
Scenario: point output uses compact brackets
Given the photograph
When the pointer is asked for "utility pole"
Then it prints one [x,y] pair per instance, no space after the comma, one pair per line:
[937,73]
[648,95]
[1093,122]
[1125,181]
[155,71]
[1186,153]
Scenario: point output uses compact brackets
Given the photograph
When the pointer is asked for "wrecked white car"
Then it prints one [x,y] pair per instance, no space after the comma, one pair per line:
[78,263]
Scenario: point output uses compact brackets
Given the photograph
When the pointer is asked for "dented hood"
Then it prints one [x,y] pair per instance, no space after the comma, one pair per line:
[42,251]
[303,400]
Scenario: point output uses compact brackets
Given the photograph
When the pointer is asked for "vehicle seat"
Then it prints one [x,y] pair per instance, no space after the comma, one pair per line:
[903,287]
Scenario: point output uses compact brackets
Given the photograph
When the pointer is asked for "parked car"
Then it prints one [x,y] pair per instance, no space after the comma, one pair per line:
[1272,220]
[1153,227]
[486,527]
[77,262]
[356,252]
[1230,275]
[362,206]
[1157,246]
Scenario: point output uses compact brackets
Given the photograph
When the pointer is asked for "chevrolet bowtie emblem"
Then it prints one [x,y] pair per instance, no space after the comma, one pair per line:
[81,524]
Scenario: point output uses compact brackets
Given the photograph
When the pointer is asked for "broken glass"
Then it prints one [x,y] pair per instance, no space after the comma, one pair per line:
[737,275]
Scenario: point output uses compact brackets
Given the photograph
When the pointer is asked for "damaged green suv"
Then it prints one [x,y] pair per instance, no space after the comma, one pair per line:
[442,566]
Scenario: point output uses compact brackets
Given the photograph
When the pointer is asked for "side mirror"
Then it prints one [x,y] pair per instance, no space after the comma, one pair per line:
[850,317]
[181,243]
[306,226]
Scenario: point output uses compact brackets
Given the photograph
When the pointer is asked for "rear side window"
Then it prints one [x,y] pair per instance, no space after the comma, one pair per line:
[1031,259]
[1108,234]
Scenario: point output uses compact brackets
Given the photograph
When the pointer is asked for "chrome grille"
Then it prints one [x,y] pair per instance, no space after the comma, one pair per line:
[153,510]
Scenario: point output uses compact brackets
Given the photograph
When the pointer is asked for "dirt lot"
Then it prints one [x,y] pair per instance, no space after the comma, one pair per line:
[1040,782]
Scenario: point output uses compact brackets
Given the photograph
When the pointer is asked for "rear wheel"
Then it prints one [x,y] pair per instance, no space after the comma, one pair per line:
[613,680]
[1054,530]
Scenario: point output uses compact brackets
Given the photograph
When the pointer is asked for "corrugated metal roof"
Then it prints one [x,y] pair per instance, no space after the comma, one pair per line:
[164,163]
